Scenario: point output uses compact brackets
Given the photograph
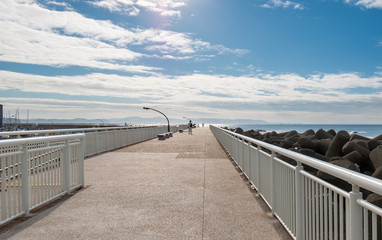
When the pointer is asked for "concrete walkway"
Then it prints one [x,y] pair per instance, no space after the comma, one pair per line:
[182,188]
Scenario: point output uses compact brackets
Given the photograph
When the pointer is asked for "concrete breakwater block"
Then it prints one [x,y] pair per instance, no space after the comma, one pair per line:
[355,157]
[354,152]
[322,134]
[376,157]
[335,147]
[378,138]
[372,144]
[354,146]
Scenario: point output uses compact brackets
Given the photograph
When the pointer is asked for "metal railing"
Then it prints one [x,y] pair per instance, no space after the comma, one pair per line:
[307,206]
[35,171]
[103,139]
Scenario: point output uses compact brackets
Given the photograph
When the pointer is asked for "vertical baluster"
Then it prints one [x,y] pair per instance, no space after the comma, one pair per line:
[3,203]
[18,157]
[52,156]
[330,215]
[289,206]
[41,174]
[311,210]
[306,213]
[317,211]
[49,172]
[321,213]
[336,210]
[326,220]
[53,169]
[14,184]
[365,224]
[46,179]
[374,225]
[58,170]
[8,187]
[33,178]
[341,217]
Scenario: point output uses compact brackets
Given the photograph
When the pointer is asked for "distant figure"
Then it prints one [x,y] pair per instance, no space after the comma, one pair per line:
[190,127]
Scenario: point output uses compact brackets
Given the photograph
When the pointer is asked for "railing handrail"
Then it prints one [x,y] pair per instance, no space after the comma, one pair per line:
[351,177]
[94,129]
[21,141]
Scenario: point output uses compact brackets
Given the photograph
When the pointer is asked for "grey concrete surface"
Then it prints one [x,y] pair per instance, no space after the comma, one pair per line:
[182,188]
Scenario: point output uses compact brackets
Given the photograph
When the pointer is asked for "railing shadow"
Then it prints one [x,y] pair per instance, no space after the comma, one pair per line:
[19,224]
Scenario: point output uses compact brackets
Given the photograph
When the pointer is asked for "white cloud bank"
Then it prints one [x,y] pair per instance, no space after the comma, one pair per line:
[203,95]
[36,35]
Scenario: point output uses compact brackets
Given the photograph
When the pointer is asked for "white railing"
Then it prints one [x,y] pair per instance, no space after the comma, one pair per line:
[307,206]
[35,171]
[100,140]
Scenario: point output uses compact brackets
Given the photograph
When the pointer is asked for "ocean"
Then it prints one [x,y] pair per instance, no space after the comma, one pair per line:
[366,130]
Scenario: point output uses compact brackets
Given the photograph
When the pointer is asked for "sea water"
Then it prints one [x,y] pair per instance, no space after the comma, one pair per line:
[366,130]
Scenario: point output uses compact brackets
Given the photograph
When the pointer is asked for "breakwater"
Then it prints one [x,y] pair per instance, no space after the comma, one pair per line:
[367,130]
[349,150]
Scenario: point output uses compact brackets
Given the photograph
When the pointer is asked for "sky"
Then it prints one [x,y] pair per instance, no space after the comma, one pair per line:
[316,61]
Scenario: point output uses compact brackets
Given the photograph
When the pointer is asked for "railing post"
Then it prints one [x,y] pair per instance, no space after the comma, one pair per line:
[115,139]
[81,162]
[249,162]
[66,168]
[300,226]
[258,170]
[3,205]
[106,137]
[273,183]
[240,158]
[355,214]
[96,142]
[25,169]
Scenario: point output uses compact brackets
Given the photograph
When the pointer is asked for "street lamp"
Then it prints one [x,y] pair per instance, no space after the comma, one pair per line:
[168,122]
[187,118]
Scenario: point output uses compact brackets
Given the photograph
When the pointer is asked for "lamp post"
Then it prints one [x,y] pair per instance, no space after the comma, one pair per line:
[168,122]
[187,118]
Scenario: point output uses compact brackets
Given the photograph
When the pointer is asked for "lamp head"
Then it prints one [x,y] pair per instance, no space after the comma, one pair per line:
[146,108]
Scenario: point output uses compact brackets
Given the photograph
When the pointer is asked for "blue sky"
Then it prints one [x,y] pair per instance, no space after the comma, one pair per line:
[316,61]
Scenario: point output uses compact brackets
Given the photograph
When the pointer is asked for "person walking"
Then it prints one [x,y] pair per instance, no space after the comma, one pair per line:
[190,127]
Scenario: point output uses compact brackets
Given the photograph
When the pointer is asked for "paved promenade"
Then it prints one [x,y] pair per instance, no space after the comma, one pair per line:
[182,188]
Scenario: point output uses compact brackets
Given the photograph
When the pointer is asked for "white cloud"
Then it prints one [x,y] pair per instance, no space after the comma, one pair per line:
[206,95]
[163,7]
[36,35]
[366,3]
[283,4]
[53,108]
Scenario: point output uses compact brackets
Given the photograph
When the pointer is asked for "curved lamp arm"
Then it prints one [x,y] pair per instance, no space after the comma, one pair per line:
[168,122]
